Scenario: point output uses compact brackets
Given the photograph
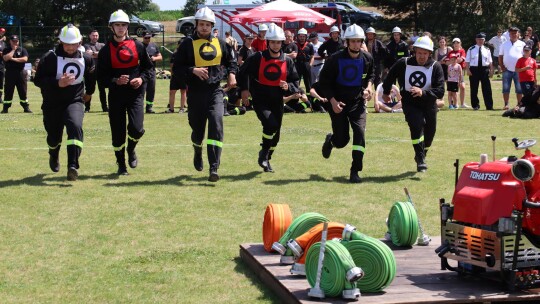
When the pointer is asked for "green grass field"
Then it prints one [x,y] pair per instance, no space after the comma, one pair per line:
[164,234]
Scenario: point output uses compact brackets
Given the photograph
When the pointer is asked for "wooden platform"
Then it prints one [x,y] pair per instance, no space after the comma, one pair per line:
[418,280]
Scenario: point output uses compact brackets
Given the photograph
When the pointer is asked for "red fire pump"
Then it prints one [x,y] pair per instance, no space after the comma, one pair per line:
[493,223]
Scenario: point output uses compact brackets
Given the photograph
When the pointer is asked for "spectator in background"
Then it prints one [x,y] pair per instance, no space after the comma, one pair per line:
[215,33]
[393,106]
[536,43]
[378,51]
[246,50]
[496,42]
[460,59]
[15,58]
[414,36]
[527,39]
[259,44]
[480,69]
[92,48]
[304,59]
[526,67]
[153,51]
[289,46]
[441,55]
[231,41]
[318,60]
[176,85]
[455,77]
[510,52]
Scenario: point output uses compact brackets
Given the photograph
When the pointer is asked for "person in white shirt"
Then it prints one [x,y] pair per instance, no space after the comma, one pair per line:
[496,42]
[480,69]
[510,52]
[393,106]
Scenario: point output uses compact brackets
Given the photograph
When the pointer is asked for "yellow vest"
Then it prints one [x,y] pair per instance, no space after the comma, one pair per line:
[207,53]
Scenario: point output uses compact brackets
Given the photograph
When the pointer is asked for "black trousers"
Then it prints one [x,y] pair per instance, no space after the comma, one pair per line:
[15,78]
[151,89]
[2,76]
[422,121]
[71,116]
[206,105]
[304,71]
[121,102]
[270,113]
[481,75]
[353,114]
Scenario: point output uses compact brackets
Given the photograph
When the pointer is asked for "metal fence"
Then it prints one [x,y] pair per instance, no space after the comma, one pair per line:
[38,40]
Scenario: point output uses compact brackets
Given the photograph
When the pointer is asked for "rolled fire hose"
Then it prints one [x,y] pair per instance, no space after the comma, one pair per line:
[300,245]
[403,224]
[277,219]
[298,227]
[375,258]
[340,273]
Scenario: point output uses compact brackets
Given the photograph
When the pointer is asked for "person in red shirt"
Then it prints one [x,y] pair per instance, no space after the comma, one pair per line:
[526,67]
[259,44]
[457,49]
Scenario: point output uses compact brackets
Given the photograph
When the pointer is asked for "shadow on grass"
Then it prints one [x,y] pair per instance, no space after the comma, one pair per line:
[267,293]
[43,179]
[345,179]
[181,179]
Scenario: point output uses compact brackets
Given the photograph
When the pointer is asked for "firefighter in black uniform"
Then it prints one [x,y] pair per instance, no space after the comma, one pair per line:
[304,57]
[332,45]
[60,76]
[346,81]
[2,65]
[15,57]
[396,49]
[421,80]
[153,51]
[268,75]
[201,62]
[124,67]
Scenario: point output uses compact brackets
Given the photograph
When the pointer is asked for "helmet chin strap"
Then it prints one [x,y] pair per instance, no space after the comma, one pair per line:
[353,51]
[274,52]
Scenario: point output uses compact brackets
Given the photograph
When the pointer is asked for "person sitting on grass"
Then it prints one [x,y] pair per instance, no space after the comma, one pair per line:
[528,107]
[296,102]
[394,106]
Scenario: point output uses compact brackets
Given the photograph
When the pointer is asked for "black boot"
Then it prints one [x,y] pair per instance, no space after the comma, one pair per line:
[72,174]
[132,156]
[26,107]
[354,177]
[121,162]
[327,146]
[263,159]
[213,177]
[269,167]
[6,108]
[421,165]
[197,158]
[54,162]
[73,152]
[149,109]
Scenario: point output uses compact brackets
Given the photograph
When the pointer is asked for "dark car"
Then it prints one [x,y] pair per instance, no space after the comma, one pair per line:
[139,26]
[364,19]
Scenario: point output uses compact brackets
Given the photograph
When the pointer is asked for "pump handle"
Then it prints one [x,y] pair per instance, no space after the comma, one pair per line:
[515,141]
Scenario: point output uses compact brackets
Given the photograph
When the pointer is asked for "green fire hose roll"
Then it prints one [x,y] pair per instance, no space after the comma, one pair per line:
[403,224]
[376,260]
[299,226]
[337,265]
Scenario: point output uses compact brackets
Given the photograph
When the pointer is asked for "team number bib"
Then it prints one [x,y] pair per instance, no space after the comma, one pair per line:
[418,76]
[272,71]
[73,66]
[350,72]
[206,53]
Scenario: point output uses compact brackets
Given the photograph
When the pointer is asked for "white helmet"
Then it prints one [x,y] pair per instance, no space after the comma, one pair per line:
[119,16]
[370,30]
[70,34]
[424,42]
[275,33]
[334,29]
[302,31]
[396,30]
[354,31]
[263,27]
[205,14]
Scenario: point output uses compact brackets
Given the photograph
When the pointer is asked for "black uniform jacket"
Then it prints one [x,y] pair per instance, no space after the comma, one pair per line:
[108,73]
[396,51]
[184,63]
[330,87]
[248,77]
[330,46]
[45,78]
[429,96]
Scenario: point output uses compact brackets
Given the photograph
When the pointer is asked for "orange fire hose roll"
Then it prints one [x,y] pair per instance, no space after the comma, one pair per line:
[277,219]
[314,235]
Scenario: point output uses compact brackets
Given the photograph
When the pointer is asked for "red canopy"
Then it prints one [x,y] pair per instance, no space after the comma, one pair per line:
[280,11]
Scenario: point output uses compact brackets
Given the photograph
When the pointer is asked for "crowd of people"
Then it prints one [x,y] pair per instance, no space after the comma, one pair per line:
[340,76]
